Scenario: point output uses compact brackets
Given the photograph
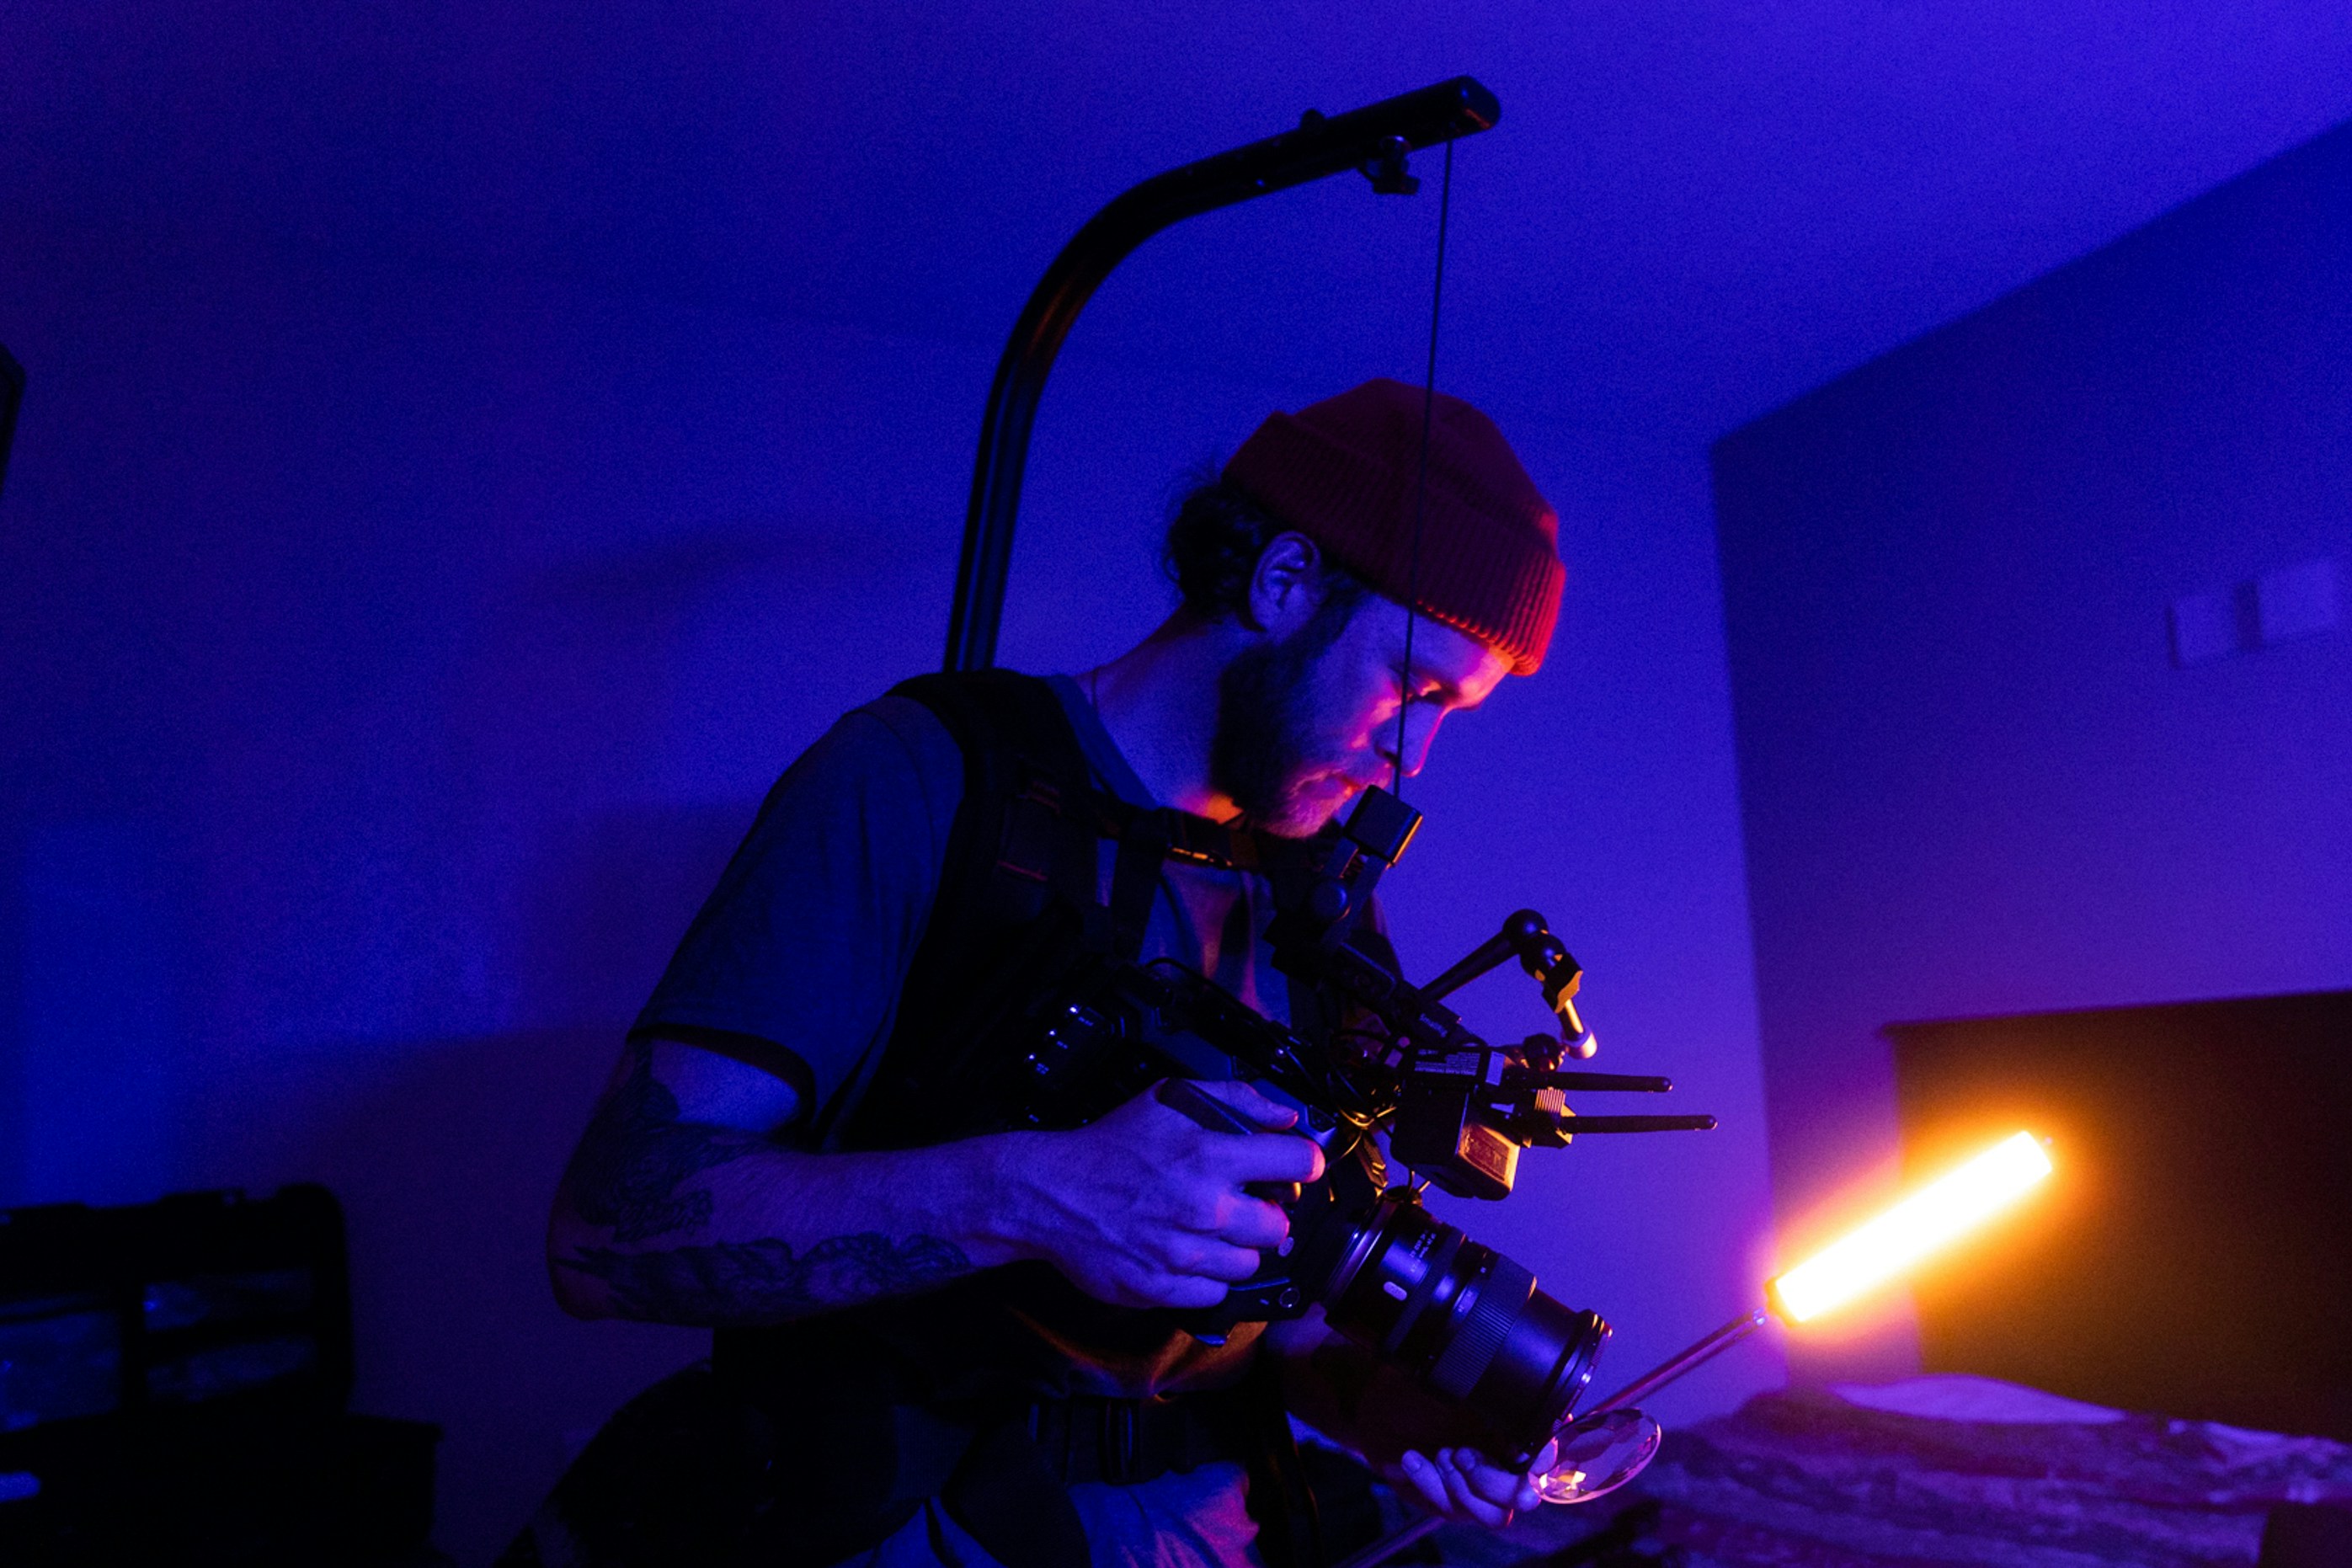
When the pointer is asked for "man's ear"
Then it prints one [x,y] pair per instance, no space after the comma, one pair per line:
[1287,585]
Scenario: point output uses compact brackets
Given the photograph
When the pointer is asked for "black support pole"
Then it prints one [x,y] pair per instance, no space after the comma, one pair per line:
[1321,146]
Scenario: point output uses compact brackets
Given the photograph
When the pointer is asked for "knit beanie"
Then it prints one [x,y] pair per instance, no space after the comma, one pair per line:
[1346,473]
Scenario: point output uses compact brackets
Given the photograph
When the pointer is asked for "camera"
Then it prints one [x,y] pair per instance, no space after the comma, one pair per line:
[1464,1320]
[1392,1065]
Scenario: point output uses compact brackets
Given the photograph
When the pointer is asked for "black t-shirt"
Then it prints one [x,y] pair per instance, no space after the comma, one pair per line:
[809,935]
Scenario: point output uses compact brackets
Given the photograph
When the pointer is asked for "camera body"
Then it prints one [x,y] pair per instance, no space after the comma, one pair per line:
[1462,1319]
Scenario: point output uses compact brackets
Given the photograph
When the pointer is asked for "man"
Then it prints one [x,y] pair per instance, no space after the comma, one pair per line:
[940,1347]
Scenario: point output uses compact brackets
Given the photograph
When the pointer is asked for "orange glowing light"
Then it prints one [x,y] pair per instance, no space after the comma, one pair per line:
[1921,1224]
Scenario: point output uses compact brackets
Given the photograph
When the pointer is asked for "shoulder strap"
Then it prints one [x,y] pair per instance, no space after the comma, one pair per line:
[1027,796]
[1017,907]
[1020,909]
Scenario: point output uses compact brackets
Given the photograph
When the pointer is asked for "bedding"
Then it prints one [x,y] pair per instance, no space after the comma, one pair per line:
[1933,1471]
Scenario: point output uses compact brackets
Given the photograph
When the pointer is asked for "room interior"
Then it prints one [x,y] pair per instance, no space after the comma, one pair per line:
[464,457]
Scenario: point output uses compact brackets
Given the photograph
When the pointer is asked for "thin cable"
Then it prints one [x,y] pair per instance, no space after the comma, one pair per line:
[1421,491]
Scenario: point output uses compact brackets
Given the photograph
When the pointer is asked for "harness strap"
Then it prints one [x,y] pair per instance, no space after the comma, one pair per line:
[1135,880]
[1126,1442]
[1020,900]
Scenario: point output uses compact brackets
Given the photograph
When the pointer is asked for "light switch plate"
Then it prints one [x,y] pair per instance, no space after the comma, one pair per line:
[2296,602]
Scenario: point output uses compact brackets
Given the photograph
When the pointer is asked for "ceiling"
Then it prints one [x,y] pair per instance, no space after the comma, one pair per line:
[1689,213]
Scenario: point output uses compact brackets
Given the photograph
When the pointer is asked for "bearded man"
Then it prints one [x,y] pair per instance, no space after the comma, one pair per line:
[943,1345]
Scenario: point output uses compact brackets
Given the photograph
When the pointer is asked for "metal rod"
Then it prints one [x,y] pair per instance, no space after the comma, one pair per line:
[1705,1351]
[1320,146]
[1484,958]
[1602,1082]
[1380,1551]
[1575,1124]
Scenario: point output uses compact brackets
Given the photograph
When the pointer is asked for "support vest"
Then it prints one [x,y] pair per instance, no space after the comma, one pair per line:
[964,1393]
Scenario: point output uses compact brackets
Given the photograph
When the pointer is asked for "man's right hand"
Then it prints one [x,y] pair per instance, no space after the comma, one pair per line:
[1147,1208]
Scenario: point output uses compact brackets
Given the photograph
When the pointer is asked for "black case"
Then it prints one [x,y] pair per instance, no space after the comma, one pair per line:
[173,1384]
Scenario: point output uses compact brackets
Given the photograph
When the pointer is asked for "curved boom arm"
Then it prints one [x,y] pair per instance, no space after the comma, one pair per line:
[1373,139]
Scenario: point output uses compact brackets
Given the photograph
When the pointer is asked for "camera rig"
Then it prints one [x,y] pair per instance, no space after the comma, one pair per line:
[1455,1109]
[1390,1064]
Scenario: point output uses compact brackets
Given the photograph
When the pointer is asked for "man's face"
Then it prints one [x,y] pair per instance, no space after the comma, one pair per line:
[1307,721]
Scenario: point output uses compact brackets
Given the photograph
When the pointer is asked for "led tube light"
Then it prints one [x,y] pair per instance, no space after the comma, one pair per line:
[1927,1221]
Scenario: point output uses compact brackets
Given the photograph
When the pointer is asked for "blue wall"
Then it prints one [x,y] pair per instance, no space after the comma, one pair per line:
[468,452]
[395,650]
[1974,778]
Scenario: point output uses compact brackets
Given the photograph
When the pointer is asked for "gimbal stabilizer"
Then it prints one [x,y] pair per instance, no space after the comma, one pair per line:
[1455,1109]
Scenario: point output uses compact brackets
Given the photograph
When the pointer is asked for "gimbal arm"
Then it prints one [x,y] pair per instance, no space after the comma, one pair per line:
[1373,139]
[1527,937]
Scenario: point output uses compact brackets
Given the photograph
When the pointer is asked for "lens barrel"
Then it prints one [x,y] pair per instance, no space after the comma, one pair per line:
[1465,1320]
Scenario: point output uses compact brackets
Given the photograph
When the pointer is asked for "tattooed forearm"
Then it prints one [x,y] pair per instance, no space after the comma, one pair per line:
[640,1231]
[634,1155]
[752,1282]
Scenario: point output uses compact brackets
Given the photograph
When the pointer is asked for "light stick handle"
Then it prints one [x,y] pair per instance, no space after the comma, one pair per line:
[1705,1351]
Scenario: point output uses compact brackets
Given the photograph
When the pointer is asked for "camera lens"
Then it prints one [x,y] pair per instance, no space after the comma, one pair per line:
[1465,1320]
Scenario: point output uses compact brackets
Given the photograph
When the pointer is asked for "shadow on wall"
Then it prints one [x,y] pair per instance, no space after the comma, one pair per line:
[609,899]
[449,1164]
[685,676]
[383,721]
[446,1152]
[444,1166]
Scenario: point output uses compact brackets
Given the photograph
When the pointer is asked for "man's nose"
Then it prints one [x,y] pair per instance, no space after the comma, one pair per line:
[1420,731]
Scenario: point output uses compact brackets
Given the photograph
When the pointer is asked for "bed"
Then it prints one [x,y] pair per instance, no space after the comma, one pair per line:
[1951,1469]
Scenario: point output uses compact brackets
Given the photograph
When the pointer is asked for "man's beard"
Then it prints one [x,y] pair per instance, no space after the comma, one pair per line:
[1260,757]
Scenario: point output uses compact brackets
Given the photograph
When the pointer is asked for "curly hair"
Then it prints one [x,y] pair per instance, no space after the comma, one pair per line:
[1215,540]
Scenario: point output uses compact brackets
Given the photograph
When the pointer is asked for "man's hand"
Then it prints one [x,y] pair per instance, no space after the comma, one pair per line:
[1372,1407]
[1464,1485]
[1146,1208]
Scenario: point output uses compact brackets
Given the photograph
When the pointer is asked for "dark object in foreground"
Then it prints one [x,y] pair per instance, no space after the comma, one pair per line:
[1465,1320]
[173,1384]
[2308,1535]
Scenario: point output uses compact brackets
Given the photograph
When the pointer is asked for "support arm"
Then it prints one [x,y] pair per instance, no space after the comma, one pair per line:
[1373,139]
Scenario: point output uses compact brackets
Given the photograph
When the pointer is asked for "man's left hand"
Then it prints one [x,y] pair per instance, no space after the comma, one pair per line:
[1463,1483]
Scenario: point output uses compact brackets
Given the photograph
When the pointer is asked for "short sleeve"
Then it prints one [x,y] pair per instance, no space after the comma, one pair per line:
[809,934]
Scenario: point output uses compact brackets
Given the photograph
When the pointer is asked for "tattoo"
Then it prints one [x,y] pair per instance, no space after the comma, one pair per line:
[625,1174]
[749,1283]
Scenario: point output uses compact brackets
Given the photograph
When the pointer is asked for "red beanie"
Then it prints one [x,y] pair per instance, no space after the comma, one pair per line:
[1346,473]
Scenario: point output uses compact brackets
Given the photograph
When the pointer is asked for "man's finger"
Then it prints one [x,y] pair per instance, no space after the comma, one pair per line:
[1211,1258]
[1255,1222]
[1268,1157]
[1428,1483]
[1178,1290]
[1491,1482]
[1270,1114]
[1529,1496]
[1455,1465]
